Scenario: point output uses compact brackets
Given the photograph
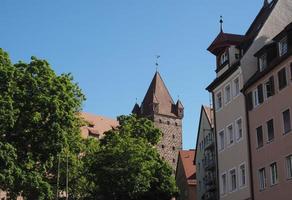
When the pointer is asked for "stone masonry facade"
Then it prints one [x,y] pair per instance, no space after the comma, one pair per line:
[171,142]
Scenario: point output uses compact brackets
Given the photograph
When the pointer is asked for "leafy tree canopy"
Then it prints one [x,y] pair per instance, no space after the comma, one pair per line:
[128,166]
[38,124]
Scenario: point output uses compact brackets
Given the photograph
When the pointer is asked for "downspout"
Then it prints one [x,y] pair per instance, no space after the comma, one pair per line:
[216,149]
[249,145]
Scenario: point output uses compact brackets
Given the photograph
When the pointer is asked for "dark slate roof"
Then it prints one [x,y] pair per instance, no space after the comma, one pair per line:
[223,40]
[257,24]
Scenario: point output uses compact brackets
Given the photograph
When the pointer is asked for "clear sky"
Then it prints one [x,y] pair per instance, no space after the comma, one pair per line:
[110,45]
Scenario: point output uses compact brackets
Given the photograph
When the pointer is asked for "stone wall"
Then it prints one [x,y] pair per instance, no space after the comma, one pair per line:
[171,141]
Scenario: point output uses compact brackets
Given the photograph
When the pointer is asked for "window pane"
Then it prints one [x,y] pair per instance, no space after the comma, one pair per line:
[230,134]
[221,139]
[274,173]
[224,184]
[233,180]
[260,136]
[236,87]
[289,166]
[239,129]
[227,94]
[283,46]
[242,175]
[218,101]
[282,78]
[270,126]
[262,178]
[287,121]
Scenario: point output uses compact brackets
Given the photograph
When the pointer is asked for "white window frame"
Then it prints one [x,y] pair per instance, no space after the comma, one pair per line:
[235,92]
[230,180]
[222,191]
[237,129]
[228,135]
[226,100]
[216,101]
[240,180]
[283,46]
[220,148]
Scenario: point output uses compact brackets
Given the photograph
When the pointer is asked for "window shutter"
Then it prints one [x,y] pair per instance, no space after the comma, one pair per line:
[249,101]
[272,85]
[260,93]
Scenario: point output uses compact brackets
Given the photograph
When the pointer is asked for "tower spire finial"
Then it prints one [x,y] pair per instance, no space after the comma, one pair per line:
[156,63]
[221,23]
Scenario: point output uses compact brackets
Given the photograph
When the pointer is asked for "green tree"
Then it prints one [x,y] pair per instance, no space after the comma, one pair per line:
[128,166]
[38,125]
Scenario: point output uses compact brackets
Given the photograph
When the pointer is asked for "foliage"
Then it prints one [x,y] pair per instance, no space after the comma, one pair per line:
[40,134]
[128,166]
[38,123]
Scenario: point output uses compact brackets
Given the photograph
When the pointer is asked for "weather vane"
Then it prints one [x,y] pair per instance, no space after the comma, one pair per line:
[156,63]
[221,23]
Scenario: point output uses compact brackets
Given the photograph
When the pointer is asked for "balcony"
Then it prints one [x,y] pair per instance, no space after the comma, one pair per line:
[209,164]
[210,196]
[209,145]
[209,180]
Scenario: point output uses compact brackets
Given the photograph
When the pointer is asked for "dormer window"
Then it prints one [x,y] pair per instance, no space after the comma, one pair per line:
[223,58]
[283,46]
[263,62]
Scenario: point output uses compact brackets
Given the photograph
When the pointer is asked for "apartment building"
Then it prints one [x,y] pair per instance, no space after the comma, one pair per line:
[205,158]
[236,64]
[230,132]
[269,103]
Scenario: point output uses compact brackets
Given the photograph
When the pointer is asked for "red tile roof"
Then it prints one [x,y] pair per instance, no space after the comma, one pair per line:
[97,125]
[187,159]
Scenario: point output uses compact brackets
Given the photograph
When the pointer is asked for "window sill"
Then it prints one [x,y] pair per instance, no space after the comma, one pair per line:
[275,184]
[260,147]
[287,132]
[270,141]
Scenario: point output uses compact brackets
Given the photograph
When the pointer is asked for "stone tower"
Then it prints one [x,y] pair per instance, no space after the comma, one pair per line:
[159,107]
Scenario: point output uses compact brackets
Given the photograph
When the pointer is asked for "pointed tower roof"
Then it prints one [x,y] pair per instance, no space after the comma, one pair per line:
[179,104]
[158,94]
[136,109]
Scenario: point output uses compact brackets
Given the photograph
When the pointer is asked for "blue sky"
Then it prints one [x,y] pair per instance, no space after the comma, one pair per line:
[110,45]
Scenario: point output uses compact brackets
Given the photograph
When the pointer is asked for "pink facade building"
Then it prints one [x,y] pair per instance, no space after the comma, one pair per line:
[269,103]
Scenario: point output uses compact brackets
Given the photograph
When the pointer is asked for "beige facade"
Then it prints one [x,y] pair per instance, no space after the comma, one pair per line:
[232,147]
[206,173]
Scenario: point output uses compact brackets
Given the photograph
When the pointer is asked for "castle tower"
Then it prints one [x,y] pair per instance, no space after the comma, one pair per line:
[159,107]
